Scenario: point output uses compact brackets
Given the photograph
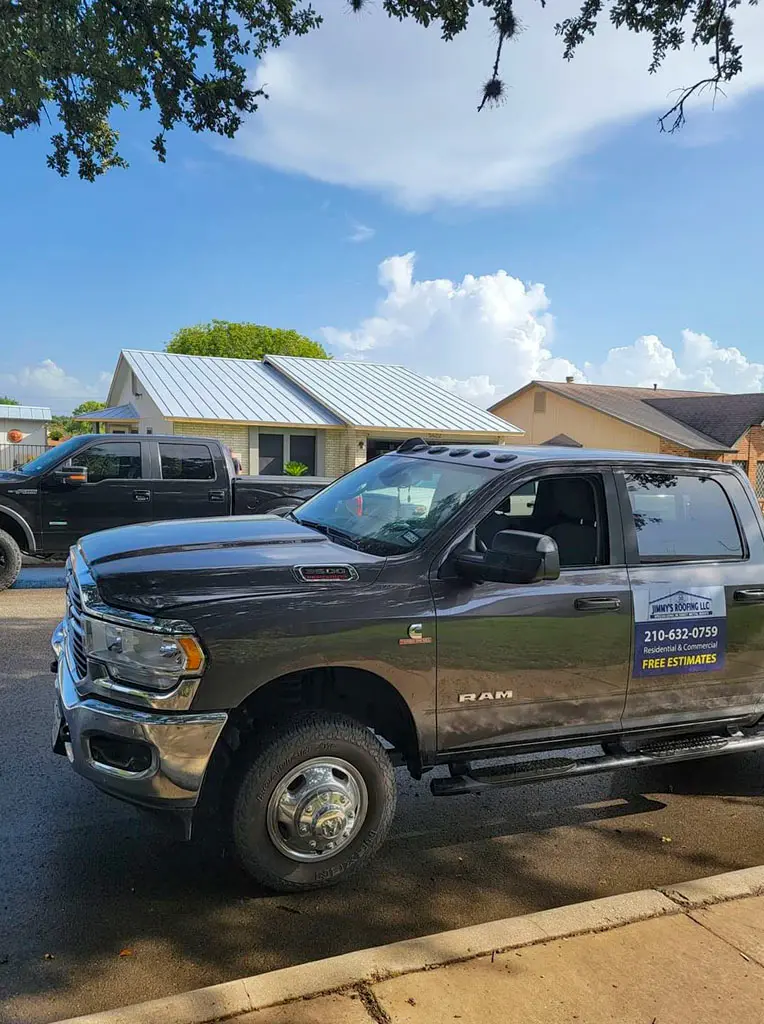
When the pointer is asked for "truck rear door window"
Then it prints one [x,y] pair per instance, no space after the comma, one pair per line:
[186,462]
[680,517]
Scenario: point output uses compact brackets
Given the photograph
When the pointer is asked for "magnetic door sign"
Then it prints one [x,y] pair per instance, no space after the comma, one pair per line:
[679,630]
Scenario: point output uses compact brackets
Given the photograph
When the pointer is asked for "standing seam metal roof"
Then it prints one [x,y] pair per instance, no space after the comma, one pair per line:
[40,413]
[215,388]
[387,396]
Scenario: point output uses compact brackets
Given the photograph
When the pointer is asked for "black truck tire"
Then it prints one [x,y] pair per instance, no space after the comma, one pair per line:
[10,560]
[321,774]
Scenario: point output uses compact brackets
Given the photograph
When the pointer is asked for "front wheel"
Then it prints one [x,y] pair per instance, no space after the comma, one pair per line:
[10,560]
[314,804]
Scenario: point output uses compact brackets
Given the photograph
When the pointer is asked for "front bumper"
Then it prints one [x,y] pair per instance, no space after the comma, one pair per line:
[180,744]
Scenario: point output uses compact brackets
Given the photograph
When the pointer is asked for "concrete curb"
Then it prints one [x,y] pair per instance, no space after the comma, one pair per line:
[369,966]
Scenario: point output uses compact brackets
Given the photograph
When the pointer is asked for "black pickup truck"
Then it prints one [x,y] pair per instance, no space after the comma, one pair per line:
[97,481]
[559,611]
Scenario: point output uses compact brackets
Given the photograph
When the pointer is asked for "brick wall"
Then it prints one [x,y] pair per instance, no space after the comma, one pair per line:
[343,451]
[749,449]
[669,448]
[236,436]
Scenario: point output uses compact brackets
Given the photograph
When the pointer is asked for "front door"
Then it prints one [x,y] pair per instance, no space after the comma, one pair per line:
[188,486]
[695,546]
[116,493]
[517,662]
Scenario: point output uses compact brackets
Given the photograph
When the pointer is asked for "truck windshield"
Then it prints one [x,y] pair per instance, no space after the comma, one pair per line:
[392,504]
[53,456]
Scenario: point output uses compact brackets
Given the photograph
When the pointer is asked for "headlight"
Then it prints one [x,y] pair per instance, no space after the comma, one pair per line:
[156,661]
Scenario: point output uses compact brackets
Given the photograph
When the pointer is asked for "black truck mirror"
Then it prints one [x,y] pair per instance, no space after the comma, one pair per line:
[515,557]
[71,475]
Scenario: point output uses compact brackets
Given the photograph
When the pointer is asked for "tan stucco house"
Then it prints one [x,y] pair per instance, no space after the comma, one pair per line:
[328,414]
[702,424]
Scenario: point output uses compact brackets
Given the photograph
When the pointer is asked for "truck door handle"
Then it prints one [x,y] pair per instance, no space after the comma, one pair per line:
[753,596]
[216,495]
[141,495]
[597,604]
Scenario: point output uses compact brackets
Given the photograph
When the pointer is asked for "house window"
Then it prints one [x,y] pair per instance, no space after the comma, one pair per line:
[274,451]
[271,452]
[302,448]
[741,464]
[539,401]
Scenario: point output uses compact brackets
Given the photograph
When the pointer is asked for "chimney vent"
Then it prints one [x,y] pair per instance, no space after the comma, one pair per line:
[569,380]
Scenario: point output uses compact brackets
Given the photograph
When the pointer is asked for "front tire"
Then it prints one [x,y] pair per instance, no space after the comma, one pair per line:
[314,804]
[10,560]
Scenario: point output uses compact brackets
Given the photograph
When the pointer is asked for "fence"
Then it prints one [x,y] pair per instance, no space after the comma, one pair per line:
[14,455]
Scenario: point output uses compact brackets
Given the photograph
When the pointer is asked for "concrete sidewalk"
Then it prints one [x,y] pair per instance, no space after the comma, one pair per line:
[691,954]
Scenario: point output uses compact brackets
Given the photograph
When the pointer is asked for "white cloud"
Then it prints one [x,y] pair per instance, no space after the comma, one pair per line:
[47,382]
[372,103]
[700,364]
[360,233]
[483,337]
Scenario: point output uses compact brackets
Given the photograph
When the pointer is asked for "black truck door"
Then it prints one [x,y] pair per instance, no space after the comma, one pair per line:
[694,543]
[518,662]
[116,493]
[189,483]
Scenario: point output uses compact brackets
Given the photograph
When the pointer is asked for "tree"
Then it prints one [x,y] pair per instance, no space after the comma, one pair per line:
[242,341]
[5,400]
[65,426]
[79,61]
[90,406]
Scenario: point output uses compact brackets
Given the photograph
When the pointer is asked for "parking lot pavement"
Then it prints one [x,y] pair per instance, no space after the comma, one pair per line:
[99,908]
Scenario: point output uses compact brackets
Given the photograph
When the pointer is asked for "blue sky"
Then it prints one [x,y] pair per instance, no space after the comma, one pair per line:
[608,232]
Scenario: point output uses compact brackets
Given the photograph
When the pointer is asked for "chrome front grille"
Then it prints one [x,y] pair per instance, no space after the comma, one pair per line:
[74,626]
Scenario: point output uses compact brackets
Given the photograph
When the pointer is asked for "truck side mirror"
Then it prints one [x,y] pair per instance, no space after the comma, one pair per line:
[515,557]
[72,476]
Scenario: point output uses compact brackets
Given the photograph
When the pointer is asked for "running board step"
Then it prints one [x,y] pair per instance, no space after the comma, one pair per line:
[685,748]
[667,748]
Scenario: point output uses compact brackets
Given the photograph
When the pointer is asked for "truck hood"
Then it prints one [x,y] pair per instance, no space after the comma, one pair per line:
[11,477]
[153,567]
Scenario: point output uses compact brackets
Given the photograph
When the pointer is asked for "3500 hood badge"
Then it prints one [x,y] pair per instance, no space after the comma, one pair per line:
[415,636]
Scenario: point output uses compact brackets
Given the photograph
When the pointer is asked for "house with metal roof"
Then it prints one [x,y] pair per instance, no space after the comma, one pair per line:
[329,415]
[23,433]
[725,427]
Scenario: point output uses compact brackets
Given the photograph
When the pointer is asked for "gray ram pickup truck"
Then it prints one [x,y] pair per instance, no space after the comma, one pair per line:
[435,608]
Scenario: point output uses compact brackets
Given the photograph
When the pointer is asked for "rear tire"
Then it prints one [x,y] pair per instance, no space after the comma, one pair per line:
[10,560]
[314,803]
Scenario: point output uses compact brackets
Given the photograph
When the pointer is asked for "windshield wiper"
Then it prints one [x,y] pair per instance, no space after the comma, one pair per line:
[332,533]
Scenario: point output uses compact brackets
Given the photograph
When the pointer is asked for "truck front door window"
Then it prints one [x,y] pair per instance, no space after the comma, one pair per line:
[565,508]
[679,517]
[116,461]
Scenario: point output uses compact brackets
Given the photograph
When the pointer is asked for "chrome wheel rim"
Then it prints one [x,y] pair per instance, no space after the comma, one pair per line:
[317,809]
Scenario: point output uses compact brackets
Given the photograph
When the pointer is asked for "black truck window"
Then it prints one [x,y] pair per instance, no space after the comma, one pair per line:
[115,460]
[569,509]
[186,462]
[679,517]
